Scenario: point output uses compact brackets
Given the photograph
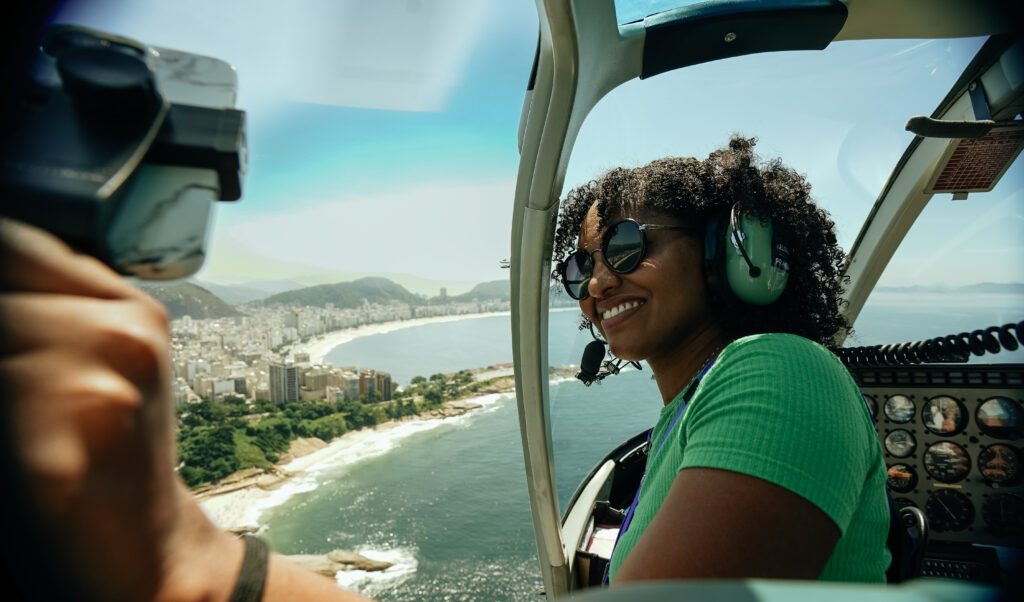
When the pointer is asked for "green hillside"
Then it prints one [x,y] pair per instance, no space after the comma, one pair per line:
[347,294]
[187,299]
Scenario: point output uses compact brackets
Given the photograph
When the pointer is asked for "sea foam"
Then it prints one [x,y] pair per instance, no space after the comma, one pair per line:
[357,447]
[373,583]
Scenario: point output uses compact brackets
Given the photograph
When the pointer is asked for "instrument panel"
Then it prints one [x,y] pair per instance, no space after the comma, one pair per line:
[953,440]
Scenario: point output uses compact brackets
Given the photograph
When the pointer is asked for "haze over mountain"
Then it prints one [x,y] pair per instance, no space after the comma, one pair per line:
[188,299]
[236,294]
[1015,288]
[428,287]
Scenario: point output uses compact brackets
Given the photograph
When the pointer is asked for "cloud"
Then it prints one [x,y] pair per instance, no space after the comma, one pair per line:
[382,54]
[444,231]
[387,54]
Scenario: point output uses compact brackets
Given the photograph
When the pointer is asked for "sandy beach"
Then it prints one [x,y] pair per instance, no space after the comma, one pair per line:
[238,506]
[320,346]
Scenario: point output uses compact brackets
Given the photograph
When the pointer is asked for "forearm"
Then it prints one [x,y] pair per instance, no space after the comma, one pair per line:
[204,562]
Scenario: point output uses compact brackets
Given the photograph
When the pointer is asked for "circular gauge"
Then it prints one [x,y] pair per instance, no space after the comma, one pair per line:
[902,478]
[902,502]
[1000,417]
[1003,513]
[900,443]
[949,510]
[899,408]
[944,415]
[869,400]
[999,463]
[947,462]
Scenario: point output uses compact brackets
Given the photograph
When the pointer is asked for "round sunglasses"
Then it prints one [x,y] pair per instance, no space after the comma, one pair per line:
[623,247]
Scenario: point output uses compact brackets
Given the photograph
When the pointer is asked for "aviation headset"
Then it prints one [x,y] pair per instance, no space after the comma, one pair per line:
[744,263]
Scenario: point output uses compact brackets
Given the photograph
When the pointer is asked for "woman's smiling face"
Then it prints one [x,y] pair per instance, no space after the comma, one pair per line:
[655,310]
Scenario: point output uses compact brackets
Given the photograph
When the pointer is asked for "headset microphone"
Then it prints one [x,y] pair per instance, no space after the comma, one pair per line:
[591,362]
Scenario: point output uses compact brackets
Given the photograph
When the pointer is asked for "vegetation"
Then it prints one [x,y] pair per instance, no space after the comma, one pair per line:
[347,294]
[222,437]
[187,299]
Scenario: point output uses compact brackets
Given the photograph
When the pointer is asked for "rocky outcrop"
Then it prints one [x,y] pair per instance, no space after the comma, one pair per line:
[303,446]
[450,410]
[338,560]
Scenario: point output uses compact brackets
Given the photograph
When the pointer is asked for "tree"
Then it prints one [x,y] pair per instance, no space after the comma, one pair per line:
[417,380]
[433,397]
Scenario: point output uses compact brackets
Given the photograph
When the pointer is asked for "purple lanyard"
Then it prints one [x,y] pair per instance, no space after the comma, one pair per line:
[636,498]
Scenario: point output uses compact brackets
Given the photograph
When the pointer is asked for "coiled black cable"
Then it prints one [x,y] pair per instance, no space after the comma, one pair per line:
[953,348]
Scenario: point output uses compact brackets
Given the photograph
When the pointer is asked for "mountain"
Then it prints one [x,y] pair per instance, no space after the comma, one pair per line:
[347,294]
[188,299]
[500,290]
[1014,288]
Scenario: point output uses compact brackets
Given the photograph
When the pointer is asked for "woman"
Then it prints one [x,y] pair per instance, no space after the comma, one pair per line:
[764,462]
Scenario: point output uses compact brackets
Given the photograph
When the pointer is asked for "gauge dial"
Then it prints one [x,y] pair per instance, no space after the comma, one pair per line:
[1000,417]
[944,415]
[899,408]
[947,462]
[999,463]
[900,443]
[902,502]
[949,510]
[869,400]
[1003,513]
[902,478]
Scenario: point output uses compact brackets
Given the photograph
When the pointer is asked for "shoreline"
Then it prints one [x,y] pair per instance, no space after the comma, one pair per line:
[321,345]
[237,503]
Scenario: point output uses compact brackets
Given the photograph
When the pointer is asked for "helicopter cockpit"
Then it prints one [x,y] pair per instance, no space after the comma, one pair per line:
[847,85]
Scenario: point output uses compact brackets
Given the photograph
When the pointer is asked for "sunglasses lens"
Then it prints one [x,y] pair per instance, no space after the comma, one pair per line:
[624,247]
[576,274]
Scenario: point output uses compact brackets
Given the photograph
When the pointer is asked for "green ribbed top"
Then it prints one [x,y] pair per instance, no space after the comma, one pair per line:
[784,409]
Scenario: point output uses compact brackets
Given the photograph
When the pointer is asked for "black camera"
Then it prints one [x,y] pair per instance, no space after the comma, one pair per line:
[120,149]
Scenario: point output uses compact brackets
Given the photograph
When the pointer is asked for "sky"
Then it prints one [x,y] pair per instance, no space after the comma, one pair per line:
[382,135]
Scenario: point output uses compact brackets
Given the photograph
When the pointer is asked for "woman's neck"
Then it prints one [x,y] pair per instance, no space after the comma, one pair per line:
[674,371]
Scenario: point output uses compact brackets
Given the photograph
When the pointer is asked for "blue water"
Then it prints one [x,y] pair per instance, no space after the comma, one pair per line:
[446,501]
[451,346]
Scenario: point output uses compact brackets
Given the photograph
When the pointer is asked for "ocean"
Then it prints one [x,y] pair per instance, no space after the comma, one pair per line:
[446,500]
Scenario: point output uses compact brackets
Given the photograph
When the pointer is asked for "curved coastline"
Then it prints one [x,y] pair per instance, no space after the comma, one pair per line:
[237,504]
[319,347]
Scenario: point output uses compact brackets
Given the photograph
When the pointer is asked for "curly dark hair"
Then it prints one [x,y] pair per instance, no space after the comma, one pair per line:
[694,191]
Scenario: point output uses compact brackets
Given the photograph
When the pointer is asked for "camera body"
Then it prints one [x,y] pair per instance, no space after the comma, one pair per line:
[121,149]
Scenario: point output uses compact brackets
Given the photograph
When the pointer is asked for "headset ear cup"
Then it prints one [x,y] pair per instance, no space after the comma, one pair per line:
[729,273]
[715,260]
[752,261]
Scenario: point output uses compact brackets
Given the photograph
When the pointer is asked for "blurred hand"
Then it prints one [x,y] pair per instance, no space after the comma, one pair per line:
[84,358]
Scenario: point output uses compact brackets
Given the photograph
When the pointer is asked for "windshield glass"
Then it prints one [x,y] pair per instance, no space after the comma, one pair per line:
[837,116]
[959,269]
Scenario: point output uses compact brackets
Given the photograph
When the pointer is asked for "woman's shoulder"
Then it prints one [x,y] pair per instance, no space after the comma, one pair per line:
[785,358]
[774,343]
